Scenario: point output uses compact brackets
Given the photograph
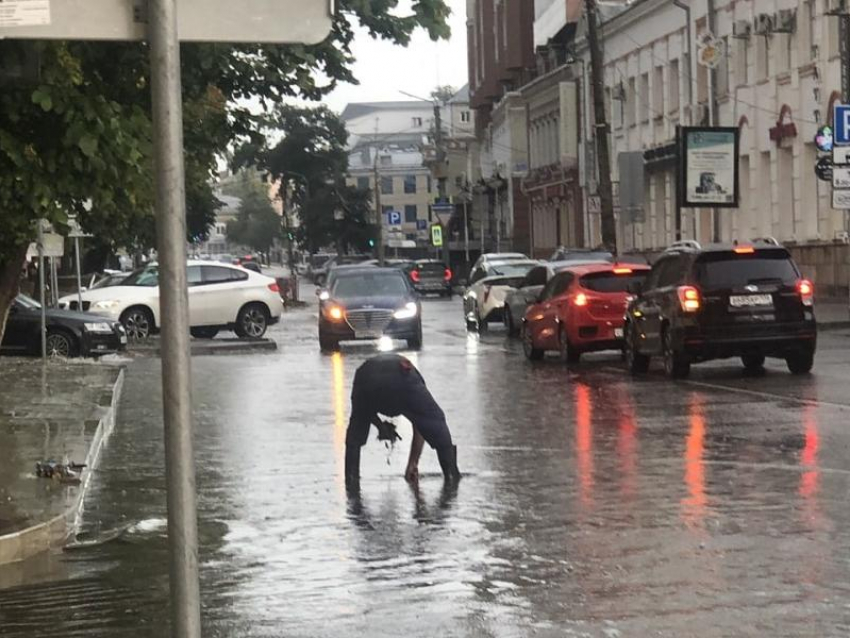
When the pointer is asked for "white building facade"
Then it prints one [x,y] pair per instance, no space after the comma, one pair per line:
[777,83]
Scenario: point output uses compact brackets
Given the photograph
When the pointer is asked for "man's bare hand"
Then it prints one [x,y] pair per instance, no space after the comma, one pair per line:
[411,474]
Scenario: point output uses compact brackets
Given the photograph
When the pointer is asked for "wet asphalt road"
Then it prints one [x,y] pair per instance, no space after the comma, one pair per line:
[594,505]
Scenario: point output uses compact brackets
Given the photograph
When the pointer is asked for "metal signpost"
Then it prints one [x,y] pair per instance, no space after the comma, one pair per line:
[256,21]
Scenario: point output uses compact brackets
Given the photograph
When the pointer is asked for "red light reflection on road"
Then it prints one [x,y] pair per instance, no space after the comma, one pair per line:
[810,477]
[694,506]
[627,444]
[584,442]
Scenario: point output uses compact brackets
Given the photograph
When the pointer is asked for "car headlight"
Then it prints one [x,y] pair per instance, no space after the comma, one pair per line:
[334,312]
[471,294]
[409,311]
[324,295]
[103,305]
[100,326]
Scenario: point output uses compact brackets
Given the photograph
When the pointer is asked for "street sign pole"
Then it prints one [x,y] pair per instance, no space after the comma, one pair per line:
[43,328]
[176,368]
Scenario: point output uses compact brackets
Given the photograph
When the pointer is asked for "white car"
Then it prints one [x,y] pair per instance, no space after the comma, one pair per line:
[489,284]
[221,297]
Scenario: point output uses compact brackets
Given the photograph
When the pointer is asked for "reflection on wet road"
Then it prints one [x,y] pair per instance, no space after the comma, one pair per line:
[594,505]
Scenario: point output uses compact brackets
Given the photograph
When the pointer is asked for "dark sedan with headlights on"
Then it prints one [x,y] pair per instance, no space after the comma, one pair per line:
[370,303]
[69,333]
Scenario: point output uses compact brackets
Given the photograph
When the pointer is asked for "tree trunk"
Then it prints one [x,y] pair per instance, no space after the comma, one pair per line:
[11,264]
[601,130]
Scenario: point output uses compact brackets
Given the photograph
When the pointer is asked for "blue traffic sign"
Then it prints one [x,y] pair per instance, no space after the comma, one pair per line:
[421,224]
[394,218]
[842,124]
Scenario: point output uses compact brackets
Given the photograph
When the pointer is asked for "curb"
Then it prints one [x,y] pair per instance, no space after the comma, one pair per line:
[217,346]
[39,538]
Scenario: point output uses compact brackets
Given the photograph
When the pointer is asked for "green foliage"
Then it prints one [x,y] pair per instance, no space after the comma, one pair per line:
[257,225]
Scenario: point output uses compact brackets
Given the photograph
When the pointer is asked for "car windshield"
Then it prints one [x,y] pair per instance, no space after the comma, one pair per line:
[28,302]
[731,270]
[610,281]
[147,276]
[109,280]
[510,269]
[370,285]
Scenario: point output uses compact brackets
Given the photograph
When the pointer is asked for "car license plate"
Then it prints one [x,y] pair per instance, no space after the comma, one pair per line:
[742,301]
[368,334]
[618,333]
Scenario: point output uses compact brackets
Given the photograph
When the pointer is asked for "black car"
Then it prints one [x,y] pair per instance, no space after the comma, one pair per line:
[69,333]
[588,255]
[369,303]
[735,300]
[430,276]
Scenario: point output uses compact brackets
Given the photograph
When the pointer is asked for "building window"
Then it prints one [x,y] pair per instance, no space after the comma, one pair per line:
[806,29]
[410,236]
[386,185]
[417,121]
[643,98]
[783,44]
[465,116]
[834,41]
[762,59]
[363,183]
[658,91]
[386,160]
[702,84]
[742,61]
[723,71]
[409,184]
[410,215]
[429,183]
[673,87]
[630,105]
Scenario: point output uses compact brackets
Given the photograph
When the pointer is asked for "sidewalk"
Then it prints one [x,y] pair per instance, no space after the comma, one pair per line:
[832,313]
[56,411]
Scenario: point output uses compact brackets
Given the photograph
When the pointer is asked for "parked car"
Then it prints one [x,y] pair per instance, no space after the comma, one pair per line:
[486,258]
[69,334]
[526,293]
[221,297]
[734,300]
[320,277]
[430,276]
[251,265]
[580,310]
[562,253]
[370,303]
[484,299]
[316,265]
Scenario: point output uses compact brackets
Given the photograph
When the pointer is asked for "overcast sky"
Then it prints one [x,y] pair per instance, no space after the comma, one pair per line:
[383,68]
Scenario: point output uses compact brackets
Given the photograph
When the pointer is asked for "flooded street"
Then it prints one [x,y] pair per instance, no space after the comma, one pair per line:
[593,504]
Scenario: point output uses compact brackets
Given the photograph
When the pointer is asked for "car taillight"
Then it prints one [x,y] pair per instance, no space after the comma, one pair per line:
[580,299]
[689,298]
[414,276]
[448,274]
[623,271]
[274,287]
[807,292]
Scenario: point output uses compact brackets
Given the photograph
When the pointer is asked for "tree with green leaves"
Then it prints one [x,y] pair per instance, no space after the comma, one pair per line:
[257,225]
[80,130]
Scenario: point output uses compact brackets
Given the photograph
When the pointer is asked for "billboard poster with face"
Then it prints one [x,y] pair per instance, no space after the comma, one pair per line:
[709,157]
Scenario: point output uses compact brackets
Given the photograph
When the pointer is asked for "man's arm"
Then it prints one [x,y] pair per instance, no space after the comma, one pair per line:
[412,471]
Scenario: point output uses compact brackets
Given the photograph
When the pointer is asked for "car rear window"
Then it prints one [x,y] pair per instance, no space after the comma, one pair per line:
[432,268]
[583,256]
[732,270]
[610,281]
[370,285]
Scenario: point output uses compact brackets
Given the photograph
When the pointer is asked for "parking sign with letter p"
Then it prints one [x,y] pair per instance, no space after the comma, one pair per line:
[842,124]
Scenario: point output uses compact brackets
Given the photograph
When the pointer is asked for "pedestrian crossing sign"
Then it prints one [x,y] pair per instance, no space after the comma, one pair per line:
[436,235]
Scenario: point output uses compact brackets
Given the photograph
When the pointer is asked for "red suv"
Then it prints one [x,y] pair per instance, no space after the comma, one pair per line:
[581,309]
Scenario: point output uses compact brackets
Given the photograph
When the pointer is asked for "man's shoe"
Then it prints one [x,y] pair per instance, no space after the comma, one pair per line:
[448,463]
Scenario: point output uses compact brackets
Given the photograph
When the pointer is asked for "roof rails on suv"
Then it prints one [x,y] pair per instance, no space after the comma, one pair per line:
[770,241]
[683,244]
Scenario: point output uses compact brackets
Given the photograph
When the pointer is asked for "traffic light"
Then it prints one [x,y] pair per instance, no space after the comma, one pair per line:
[290,236]
[371,243]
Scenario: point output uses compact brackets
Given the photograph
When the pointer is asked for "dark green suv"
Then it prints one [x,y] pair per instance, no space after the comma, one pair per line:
[733,300]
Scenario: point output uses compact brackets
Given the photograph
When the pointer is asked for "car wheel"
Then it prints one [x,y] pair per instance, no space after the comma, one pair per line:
[800,362]
[203,332]
[252,321]
[676,363]
[532,353]
[566,350]
[138,322]
[327,344]
[416,342]
[61,344]
[480,324]
[753,362]
[636,362]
